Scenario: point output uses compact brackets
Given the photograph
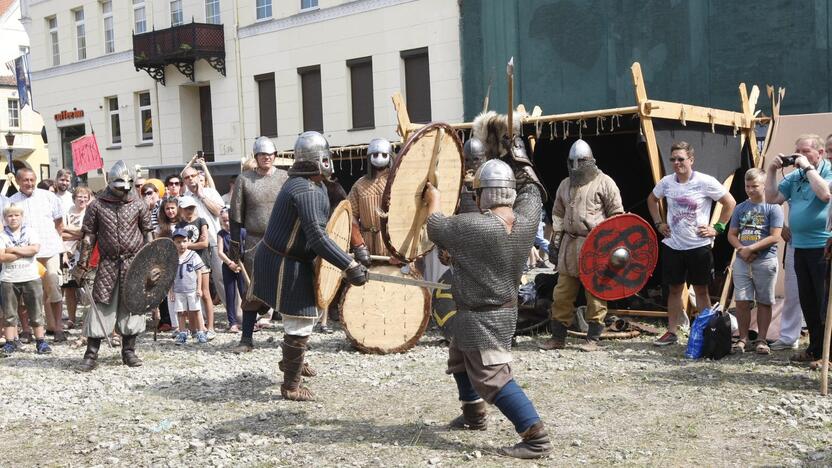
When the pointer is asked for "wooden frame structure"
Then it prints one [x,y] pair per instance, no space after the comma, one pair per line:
[742,123]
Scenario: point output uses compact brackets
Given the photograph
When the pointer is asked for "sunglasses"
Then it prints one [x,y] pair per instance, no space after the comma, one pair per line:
[174,183]
[149,193]
[678,159]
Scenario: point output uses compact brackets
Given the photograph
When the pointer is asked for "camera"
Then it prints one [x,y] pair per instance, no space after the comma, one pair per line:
[789,160]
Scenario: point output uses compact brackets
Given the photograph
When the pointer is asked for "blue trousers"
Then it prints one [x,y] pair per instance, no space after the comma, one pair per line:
[233,283]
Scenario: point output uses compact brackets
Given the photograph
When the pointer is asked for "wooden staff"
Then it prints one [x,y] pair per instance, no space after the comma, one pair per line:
[827,335]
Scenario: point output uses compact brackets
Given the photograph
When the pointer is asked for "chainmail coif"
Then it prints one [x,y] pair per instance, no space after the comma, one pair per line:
[488,263]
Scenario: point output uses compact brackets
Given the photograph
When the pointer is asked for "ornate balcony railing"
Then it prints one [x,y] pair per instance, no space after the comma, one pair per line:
[180,46]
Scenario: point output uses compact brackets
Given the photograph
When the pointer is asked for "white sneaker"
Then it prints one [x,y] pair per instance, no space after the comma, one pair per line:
[782,345]
[210,334]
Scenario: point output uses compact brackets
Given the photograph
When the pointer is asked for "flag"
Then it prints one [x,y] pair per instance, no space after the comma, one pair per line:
[24,80]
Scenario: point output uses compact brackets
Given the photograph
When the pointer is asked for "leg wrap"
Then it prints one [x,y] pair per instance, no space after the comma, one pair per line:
[294,349]
[516,406]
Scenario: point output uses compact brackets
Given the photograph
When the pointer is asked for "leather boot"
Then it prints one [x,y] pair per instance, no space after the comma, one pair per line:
[558,339]
[305,371]
[90,360]
[128,351]
[245,346]
[593,336]
[474,417]
[535,443]
[294,348]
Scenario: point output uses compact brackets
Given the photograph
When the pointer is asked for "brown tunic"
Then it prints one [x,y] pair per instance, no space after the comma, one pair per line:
[365,201]
[579,209]
[119,227]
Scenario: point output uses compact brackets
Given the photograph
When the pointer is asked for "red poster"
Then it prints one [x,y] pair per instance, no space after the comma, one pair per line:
[85,155]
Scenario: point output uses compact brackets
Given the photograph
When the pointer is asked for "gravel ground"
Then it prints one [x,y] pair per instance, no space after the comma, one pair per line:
[630,404]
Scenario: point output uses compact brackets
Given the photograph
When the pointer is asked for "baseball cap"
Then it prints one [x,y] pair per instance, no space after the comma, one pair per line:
[180,233]
[186,202]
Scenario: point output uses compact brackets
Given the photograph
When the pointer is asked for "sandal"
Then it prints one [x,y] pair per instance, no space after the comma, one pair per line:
[738,347]
[762,347]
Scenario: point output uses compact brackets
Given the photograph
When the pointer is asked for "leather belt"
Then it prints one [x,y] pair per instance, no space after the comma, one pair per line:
[370,229]
[284,254]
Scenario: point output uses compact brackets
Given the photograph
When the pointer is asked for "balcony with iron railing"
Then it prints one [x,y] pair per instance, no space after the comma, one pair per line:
[180,46]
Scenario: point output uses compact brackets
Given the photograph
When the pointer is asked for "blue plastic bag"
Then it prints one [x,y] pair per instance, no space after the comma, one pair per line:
[696,341]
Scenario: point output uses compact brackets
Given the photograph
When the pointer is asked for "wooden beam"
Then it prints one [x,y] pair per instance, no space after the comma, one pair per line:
[638,313]
[401,115]
[582,115]
[647,124]
[686,113]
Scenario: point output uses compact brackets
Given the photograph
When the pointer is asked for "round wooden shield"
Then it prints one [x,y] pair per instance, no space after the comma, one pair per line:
[139,293]
[384,318]
[618,257]
[433,154]
[327,276]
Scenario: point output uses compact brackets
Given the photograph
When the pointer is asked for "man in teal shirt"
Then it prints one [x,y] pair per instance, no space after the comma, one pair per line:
[807,191]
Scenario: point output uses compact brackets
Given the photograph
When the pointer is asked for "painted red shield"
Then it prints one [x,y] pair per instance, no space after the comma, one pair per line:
[618,257]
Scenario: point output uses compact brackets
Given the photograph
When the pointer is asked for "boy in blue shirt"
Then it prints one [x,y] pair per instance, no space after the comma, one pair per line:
[754,232]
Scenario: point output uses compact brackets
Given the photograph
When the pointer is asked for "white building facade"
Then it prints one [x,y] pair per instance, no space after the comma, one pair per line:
[245,68]
[28,148]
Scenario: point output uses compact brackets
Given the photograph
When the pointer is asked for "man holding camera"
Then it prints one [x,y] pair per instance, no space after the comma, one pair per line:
[807,191]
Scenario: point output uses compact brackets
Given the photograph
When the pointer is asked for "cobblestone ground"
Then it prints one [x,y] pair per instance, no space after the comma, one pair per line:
[201,405]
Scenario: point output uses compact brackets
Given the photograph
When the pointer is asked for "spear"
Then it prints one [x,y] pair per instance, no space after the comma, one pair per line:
[510,76]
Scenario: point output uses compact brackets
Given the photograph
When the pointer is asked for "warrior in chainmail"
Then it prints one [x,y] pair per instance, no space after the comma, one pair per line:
[283,275]
[474,153]
[583,201]
[251,205]
[485,290]
[120,224]
[365,200]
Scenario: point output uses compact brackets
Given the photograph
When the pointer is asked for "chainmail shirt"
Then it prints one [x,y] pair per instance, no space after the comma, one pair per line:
[251,206]
[488,263]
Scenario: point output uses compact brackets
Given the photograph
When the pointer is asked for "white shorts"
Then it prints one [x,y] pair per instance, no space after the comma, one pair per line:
[185,302]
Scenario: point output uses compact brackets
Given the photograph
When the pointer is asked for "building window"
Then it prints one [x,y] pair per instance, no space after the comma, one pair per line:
[52,26]
[80,34]
[417,84]
[264,9]
[145,117]
[139,17]
[115,122]
[212,11]
[307,4]
[109,35]
[14,113]
[176,13]
[268,104]
[361,90]
[310,85]
[24,49]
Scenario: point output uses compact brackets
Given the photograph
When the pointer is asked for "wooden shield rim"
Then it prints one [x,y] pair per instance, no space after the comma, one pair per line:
[407,345]
[321,301]
[385,198]
[652,235]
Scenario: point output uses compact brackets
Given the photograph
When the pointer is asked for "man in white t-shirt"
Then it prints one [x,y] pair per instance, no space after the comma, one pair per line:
[209,205]
[688,237]
[43,212]
[62,182]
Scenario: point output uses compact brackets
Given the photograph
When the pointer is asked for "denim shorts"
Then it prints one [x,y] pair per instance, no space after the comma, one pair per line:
[755,280]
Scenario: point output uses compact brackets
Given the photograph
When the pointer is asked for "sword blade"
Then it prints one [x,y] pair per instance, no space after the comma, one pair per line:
[372,276]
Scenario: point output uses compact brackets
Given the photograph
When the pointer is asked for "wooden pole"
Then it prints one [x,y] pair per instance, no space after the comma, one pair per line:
[827,335]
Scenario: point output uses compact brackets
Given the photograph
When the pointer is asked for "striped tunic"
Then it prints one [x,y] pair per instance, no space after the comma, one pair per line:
[365,200]
[284,273]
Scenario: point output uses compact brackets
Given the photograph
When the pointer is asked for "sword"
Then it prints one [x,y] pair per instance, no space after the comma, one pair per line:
[94,310]
[372,276]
